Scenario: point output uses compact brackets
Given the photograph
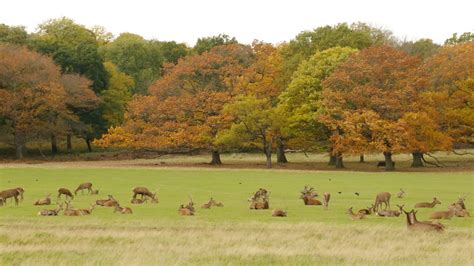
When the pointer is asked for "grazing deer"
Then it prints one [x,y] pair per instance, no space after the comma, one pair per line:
[207,205]
[53,212]
[382,197]
[428,204]
[368,210]
[143,191]
[43,201]
[139,201]
[308,196]
[217,204]
[95,192]
[390,213]
[355,216]
[83,186]
[66,192]
[101,202]
[122,210]
[414,224]
[71,211]
[443,214]
[326,197]
[278,213]
[401,194]
[10,193]
[88,211]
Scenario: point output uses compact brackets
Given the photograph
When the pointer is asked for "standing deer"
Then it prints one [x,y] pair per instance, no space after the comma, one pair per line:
[278,213]
[326,197]
[66,192]
[83,186]
[355,216]
[10,193]
[122,210]
[428,204]
[308,196]
[414,224]
[382,197]
[20,191]
[43,201]
[401,194]
[53,212]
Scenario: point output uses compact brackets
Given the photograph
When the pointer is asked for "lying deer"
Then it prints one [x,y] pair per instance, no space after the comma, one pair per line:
[83,186]
[278,213]
[138,201]
[66,192]
[208,204]
[111,202]
[355,216]
[401,194]
[390,213]
[101,202]
[53,212]
[188,209]
[443,214]
[88,211]
[144,192]
[308,196]
[217,204]
[414,224]
[10,193]
[428,204]
[122,210]
[326,197]
[71,211]
[256,204]
[43,201]
[368,210]
[382,197]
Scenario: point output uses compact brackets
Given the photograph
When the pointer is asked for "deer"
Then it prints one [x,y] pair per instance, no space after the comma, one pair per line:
[460,202]
[428,204]
[71,211]
[95,192]
[66,192]
[326,197]
[20,191]
[382,197]
[355,216]
[143,191]
[443,214]
[308,196]
[88,211]
[188,209]
[401,194]
[10,193]
[414,224]
[278,213]
[83,186]
[207,205]
[53,212]
[216,204]
[368,210]
[43,201]
[138,201]
[390,213]
[256,204]
[101,202]
[111,202]
[122,210]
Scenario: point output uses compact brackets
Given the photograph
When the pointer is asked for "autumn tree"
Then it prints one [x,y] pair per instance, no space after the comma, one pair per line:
[31,94]
[364,100]
[301,100]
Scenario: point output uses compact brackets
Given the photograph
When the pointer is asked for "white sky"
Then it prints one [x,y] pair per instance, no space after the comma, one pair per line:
[271,21]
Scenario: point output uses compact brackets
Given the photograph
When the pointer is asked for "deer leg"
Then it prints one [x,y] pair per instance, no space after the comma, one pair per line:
[16,200]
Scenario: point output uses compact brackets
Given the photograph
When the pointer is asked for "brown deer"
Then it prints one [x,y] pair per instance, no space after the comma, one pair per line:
[101,202]
[71,211]
[355,216]
[143,191]
[43,201]
[207,205]
[368,210]
[308,196]
[390,213]
[216,204]
[20,191]
[185,211]
[401,194]
[111,202]
[122,210]
[95,192]
[382,197]
[278,213]
[414,224]
[53,212]
[66,192]
[83,186]
[258,204]
[88,211]
[443,214]
[138,201]
[460,202]
[326,197]
[428,204]
[10,193]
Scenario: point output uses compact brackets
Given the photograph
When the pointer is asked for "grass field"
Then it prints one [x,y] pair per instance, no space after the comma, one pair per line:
[235,235]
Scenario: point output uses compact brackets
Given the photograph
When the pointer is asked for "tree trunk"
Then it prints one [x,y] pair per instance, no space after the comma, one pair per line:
[332,159]
[88,142]
[19,146]
[69,142]
[417,159]
[339,161]
[268,153]
[54,144]
[216,158]
[361,159]
[388,161]
[281,157]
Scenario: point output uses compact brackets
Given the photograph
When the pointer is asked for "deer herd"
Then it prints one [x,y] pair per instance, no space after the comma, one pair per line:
[258,201]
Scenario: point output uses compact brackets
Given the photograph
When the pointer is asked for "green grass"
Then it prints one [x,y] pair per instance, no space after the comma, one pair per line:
[233,234]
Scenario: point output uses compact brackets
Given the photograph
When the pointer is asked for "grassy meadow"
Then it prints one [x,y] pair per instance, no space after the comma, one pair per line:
[233,235]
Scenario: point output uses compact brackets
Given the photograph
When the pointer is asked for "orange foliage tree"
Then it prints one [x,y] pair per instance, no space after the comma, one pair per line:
[183,110]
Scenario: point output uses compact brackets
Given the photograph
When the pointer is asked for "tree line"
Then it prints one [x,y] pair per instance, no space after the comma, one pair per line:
[348,89]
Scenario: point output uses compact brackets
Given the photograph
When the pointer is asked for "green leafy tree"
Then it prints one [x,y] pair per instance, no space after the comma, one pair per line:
[423,48]
[12,34]
[463,38]
[205,44]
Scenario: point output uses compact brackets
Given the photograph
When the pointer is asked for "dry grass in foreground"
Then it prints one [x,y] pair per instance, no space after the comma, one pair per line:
[191,242]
